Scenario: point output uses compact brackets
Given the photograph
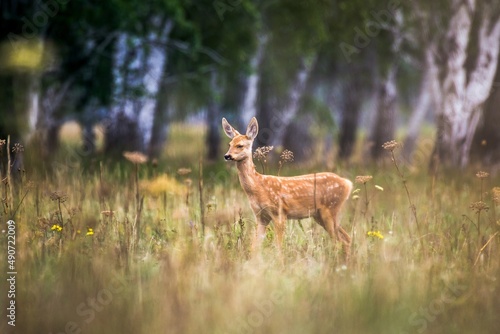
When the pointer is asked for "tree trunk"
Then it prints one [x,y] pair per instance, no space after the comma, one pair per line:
[289,112]
[267,104]
[140,64]
[122,131]
[298,139]
[425,100]
[159,129]
[486,144]
[48,123]
[15,105]
[465,89]
[385,116]
[160,126]
[276,113]
[213,120]
[122,134]
[89,145]
[249,109]
[384,122]
[351,107]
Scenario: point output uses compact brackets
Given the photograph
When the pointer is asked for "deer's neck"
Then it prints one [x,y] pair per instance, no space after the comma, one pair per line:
[249,178]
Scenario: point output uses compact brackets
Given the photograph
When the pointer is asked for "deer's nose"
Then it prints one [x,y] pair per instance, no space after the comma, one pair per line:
[228,157]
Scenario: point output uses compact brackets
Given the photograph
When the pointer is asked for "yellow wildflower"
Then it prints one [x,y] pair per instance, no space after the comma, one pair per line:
[90,231]
[56,228]
[375,234]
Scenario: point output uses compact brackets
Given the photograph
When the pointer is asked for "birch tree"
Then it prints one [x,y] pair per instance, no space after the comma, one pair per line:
[485,147]
[289,56]
[384,124]
[469,57]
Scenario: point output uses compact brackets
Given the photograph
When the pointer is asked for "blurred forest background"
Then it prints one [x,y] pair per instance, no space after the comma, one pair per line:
[339,67]
[107,247]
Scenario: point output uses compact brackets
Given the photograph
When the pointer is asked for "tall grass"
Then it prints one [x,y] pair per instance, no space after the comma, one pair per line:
[178,280]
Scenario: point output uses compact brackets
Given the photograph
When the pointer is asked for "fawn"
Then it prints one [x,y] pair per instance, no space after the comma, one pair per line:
[274,198]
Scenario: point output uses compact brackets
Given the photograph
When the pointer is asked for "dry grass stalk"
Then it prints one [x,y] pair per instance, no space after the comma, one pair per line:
[202,203]
[137,158]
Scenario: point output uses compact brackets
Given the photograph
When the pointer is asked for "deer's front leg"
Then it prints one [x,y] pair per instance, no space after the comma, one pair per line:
[260,233]
[279,226]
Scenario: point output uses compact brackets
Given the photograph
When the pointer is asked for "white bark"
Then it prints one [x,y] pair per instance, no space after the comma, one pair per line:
[136,69]
[249,104]
[463,92]
[426,100]
[154,74]
[293,104]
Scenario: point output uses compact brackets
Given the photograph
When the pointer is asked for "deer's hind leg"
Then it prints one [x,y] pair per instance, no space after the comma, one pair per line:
[328,219]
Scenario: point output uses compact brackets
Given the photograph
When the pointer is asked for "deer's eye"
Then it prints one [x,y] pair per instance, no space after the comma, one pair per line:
[239,146]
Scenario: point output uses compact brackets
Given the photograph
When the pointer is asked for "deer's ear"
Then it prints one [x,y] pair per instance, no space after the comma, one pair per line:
[252,128]
[228,129]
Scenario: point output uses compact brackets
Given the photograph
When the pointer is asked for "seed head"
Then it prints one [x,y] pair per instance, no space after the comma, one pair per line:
[479,206]
[184,171]
[108,213]
[135,157]
[390,145]
[286,156]
[58,196]
[18,148]
[261,153]
[482,174]
[363,178]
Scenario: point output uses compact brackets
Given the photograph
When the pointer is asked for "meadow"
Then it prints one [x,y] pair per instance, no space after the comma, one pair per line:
[164,247]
